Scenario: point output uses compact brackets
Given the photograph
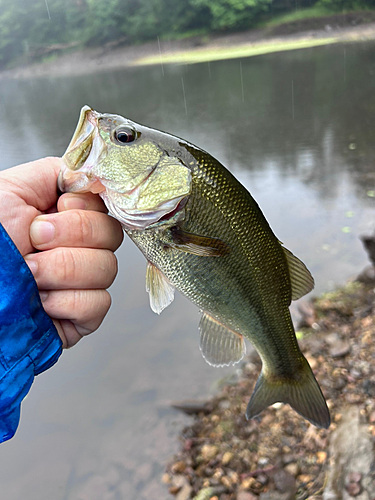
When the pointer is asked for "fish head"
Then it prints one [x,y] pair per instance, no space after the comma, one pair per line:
[139,179]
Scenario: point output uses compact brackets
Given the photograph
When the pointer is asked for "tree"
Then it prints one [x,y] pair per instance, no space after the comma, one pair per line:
[232,14]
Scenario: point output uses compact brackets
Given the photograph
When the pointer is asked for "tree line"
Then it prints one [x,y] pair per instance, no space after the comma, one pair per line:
[26,26]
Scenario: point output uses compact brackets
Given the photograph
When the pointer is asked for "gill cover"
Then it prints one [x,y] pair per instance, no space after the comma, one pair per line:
[115,157]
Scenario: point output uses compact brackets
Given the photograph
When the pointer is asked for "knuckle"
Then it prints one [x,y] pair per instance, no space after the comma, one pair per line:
[65,265]
[82,226]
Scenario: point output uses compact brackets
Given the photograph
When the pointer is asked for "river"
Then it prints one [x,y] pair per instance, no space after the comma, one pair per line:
[297,128]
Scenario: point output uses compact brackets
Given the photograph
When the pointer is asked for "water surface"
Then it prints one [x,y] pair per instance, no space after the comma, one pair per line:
[297,129]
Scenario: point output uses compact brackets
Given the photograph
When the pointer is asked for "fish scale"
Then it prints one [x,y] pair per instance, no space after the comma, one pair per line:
[203,234]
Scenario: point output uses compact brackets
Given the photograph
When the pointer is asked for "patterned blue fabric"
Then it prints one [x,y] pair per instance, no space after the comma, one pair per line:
[29,342]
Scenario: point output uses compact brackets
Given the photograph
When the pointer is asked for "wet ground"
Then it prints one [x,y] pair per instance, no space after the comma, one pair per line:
[280,455]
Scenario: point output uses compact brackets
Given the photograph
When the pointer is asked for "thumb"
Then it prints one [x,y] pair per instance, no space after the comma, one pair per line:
[34,182]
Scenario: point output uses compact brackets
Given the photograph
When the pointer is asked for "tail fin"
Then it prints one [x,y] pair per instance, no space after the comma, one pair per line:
[302,393]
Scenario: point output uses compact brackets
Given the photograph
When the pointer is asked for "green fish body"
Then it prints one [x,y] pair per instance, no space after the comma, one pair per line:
[203,234]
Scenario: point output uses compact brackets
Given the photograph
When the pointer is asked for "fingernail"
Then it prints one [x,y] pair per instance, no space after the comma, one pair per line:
[42,232]
[74,202]
[43,296]
[33,265]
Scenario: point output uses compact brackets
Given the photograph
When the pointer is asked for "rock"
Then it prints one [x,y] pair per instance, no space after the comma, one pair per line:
[321,457]
[166,479]
[209,451]
[307,311]
[262,479]
[193,407]
[353,398]
[185,489]
[248,483]
[369,387]
[339,349]
[245,495]
[227,457]
[288,458]
[367,276]
[351,450]
[292,469]
[179,466]
[354,477]
[284,481]
[354,489]
[305,478]
[369,244]
[339,383]
[332,338]
[276,495]
[227,482]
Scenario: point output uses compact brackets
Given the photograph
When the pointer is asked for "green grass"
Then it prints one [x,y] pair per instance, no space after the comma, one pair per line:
[220,53]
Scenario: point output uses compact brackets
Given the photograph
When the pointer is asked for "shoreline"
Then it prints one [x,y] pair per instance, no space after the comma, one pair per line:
[189,51]
[223,456]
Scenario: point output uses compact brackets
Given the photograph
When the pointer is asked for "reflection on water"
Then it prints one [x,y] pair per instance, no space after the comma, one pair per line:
[299,135]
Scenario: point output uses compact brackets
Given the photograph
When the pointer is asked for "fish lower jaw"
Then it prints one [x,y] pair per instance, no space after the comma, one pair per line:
[136,219]
[78,182]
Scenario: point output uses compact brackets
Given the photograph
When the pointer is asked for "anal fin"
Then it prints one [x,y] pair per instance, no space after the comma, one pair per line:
[161,292]
[219,345]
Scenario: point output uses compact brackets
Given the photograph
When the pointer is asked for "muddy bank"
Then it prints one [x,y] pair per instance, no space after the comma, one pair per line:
[300,34]
[281,456]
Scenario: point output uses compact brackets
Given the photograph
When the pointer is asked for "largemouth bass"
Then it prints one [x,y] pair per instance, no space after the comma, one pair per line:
[203,234]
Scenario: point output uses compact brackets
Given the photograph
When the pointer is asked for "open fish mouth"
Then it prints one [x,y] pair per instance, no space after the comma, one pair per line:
[83,153]
[138,196]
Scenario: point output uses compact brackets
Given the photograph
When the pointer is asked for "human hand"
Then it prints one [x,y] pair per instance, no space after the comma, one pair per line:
[67,241]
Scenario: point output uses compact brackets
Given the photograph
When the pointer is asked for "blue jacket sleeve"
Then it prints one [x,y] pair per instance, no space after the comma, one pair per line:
[29,342]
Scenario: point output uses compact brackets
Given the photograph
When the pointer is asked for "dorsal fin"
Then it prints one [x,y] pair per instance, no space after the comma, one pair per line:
[219,345]
[161,292]
[300,277]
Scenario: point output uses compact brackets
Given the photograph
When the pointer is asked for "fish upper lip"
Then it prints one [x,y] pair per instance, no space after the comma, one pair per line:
[76,166]
[78,137]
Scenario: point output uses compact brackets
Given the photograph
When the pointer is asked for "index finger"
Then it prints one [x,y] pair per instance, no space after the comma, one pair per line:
[81,201]
[76,228]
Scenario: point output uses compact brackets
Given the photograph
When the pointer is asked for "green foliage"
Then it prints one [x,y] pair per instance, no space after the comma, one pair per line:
[32,28]
[101,21]
[345,5]
[232,14]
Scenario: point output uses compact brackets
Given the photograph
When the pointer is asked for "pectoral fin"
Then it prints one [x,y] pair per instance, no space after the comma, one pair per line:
[300,277]
[161,292]
[197,244]
[219,345]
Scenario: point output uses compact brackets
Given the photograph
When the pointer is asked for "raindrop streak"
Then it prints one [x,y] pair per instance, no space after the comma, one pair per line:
[49,15]
[242,90]
[344,64]
[293,99]
[209,70]
[183,91]
[161,61]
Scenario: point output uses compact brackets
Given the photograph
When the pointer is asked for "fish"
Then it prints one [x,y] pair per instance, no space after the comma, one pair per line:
[203,234]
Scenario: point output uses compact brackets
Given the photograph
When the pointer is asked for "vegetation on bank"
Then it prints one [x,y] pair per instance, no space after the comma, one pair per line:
[33,29]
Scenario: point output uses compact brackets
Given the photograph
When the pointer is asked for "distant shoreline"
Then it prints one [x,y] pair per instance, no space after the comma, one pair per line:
[191,50]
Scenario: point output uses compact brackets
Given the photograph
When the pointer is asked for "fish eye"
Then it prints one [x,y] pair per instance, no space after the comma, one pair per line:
[124,135]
